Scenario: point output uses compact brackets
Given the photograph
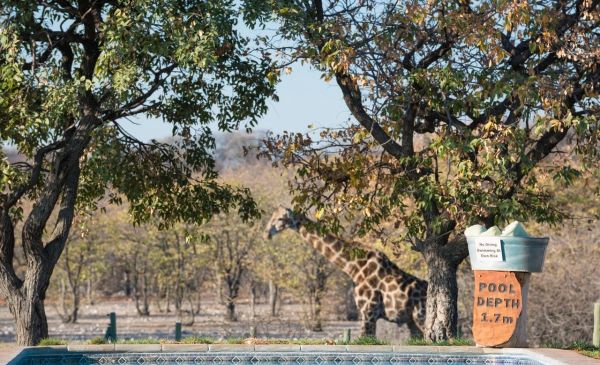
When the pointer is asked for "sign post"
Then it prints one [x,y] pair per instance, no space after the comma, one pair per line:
[502,267]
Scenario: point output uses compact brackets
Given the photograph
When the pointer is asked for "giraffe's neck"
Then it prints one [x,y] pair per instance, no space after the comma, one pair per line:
[332,248]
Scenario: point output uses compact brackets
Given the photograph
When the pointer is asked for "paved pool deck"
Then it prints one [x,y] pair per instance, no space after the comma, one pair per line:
[547,356]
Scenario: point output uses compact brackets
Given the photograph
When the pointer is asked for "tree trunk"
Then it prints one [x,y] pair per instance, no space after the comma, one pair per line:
[145,296]
[63,312]
[230,310]
[75,308]
[127,283]
[198,303]
[168,299]
[351,308]
[90,291]
[30,318]
[317,326]
[442,295]
[273,294]
[253,289]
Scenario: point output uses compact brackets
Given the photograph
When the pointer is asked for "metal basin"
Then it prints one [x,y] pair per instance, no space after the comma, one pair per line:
[518,254]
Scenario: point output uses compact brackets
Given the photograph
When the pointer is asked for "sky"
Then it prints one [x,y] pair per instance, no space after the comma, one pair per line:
[304,99]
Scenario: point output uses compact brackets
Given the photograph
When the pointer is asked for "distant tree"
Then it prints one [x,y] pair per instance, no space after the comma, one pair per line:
[230,240]
[71,72]
[76,264]
[462,111]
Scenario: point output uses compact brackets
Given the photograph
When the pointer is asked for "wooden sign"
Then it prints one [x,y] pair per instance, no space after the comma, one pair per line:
[497,306]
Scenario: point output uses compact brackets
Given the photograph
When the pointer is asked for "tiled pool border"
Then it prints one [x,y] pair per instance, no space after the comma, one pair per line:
[294,354]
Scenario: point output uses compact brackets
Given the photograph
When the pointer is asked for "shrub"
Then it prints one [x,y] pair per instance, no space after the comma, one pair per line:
[98,341]
[52,341]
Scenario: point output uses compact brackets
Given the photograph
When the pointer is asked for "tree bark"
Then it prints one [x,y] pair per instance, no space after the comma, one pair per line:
[351,308]
[230,310]
[30,318]
[233,286]
[273,294]
[253,290]
[75,308]
[321,285]
[90,291]
[442,295]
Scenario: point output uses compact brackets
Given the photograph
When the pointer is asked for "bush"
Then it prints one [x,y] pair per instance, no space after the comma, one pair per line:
[52,341]
[197,340]
[140,341]
[368,340]
[585,349]
[98,341]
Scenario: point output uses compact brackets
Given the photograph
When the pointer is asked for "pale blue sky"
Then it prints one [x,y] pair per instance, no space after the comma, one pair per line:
[304,98]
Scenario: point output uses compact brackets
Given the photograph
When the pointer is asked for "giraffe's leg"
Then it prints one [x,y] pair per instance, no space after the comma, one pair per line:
[368,325]
[415,331]
[371,309]
[416,323]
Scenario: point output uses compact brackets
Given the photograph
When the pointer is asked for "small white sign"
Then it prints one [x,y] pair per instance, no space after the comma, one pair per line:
[489,249]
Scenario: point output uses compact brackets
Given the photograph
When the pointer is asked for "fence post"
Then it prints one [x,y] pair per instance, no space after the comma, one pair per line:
[178,331]
[596,336]
[346,337]
[111,331]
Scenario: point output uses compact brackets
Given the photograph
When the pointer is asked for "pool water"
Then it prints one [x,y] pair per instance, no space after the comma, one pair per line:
[271,358]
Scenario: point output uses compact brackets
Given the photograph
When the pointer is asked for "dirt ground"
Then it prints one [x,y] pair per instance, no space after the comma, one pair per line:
[288,324]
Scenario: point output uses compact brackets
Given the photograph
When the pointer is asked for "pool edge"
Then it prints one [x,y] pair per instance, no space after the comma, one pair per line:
[544,355]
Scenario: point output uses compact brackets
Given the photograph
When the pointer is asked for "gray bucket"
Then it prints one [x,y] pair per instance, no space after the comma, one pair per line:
[518,254]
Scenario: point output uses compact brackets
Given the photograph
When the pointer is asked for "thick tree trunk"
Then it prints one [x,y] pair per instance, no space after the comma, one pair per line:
[442,295]
[30,318]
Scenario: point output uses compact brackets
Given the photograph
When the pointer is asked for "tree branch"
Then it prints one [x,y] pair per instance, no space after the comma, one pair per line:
[353,100]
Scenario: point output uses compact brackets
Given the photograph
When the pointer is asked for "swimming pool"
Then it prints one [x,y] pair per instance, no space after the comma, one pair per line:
[268,358]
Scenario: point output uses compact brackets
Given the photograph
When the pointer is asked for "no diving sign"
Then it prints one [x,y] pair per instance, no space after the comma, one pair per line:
[489,249]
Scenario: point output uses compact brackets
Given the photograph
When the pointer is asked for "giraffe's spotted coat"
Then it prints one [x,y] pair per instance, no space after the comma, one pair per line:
[382,290]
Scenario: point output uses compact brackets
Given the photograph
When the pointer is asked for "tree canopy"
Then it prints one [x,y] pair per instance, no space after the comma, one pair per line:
[461,111]
[71,74]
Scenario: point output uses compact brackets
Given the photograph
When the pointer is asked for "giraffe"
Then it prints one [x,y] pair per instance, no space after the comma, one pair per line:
[382,290]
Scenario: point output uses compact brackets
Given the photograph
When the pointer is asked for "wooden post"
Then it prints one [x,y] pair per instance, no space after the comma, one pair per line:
[346,336]
[111,330]
[177,331]
[596,336]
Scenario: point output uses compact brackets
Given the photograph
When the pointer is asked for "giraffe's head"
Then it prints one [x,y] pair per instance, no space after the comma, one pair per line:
[281,219]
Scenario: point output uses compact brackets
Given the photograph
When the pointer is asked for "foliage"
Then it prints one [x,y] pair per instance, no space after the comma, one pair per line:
[139,341]
[463,111]
[585,349]
[285,260]
[368,341]
[71,75]
[51,341]
[474,79]
[98,341]
[197,340]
